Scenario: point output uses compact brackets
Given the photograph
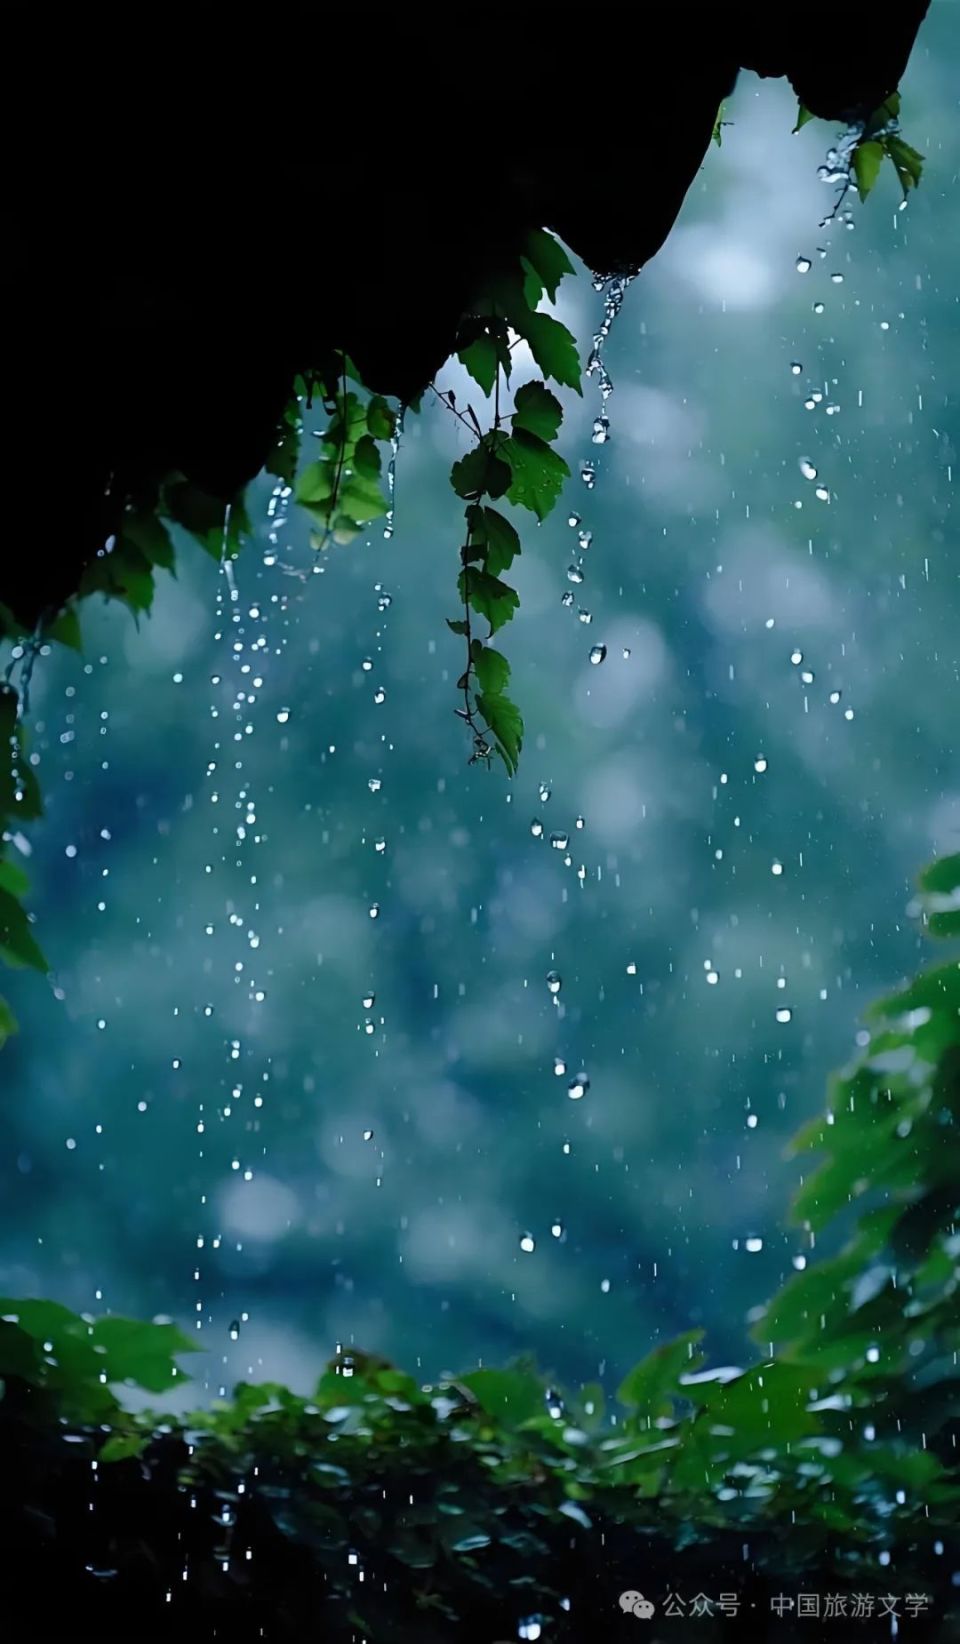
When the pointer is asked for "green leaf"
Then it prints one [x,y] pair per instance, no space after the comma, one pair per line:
[502,542]
[867,160]
[537,410]
[315,484]
[492,669]
[552,346]
[512,1396]
[482,472]
[144,1354]
[908,163]
[489,596]
[481,359]
[653,1383]
[803,115]
[944,924]
[942,877]
[122,1446]
[13,878]
[503,718]
[150,537]
[381,421]
[537,471]
[65,629]
[365,458]
[456,627]
[717,133]
[8,1022]
[17,944]
[547,257]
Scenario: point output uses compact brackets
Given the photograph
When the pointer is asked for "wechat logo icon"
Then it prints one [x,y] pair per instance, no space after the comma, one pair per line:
[633,1603]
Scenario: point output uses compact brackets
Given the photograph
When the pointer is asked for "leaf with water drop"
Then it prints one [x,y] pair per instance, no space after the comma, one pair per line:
[537,471]
[512,1396]
[867,160]
[537,410]
[145,1354]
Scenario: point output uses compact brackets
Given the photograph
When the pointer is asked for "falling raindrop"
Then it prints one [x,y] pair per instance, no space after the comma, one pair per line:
[822,493]
[760,764]
[585,616]
[554,981]
[835,697]
[374,783]
[567,600]
[559,1066]
[804,265]
[556,1229]
[234,1331]
[543,793]
[796,367]
[597,654]
[368,1135]
[574,573]
[784,1013]
[601,430]
[559,841]
[368,1001]
[578,1087]
[807,469]
[818,308]
[528,1243]
[375,910]
[776,868]
[379,694]
[796,657]
[588,475]
[573,520]
[807,676]
[536,828]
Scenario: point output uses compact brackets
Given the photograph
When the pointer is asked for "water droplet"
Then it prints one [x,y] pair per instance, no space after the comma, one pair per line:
[368,1001]
[580,823]
[554,981]
[784,1013]
[573,520]
[574,573]
[367,664]
[632,968]
[368,1135]
[585,616]
[818,308]
[822,493]
[234,1331]
[559,841]
[753,1245]
[375,910]
[807,469]
[536,828]
[597,654]
[601,430]
[556,1229]
[796,657]
[584,539]
[807,676]
[374,783]
[567,600]
[760,764]
[384,602]
[527,1243]
[380,846]
[578,1087]
[588,475]
[796,367]
[835,697]
[776,868]
[379,694]
[544,793]
[559,1066]
[712,977]
[837,279]
[803,265]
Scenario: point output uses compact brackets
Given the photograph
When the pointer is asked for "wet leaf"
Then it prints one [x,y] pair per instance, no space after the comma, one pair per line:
[867,160]
[537,473]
